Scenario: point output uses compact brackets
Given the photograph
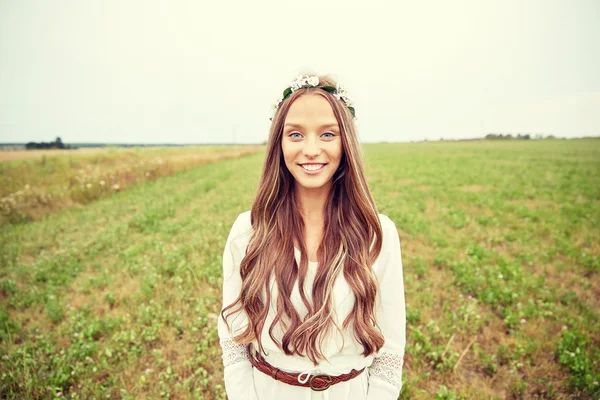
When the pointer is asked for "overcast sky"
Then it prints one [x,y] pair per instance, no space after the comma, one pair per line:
[206,72]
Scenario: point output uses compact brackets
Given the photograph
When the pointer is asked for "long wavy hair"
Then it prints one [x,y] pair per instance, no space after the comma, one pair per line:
[352,241]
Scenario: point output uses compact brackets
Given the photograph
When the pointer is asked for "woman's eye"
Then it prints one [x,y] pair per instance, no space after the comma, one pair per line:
[329,133]
[294,133]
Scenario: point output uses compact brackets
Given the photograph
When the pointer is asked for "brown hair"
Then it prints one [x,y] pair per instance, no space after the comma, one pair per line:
[352,241]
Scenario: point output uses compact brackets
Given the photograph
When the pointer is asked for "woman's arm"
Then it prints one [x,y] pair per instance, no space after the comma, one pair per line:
[385,374]
[237,370]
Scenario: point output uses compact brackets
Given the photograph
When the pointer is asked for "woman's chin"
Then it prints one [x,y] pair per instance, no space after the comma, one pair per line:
[312,183]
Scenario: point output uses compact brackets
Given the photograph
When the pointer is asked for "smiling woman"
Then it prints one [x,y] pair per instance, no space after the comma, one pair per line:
[313,290]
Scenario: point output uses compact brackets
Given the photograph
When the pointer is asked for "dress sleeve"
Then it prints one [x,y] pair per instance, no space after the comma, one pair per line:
[385,374]
[237,370]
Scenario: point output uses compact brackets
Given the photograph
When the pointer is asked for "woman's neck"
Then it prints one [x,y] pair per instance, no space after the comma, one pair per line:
[312,203]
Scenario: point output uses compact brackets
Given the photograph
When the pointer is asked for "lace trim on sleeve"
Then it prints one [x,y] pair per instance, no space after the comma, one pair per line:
[388,367]
[233,352]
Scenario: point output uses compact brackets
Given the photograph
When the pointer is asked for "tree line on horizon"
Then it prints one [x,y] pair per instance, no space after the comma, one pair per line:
[508,136]
[57,144]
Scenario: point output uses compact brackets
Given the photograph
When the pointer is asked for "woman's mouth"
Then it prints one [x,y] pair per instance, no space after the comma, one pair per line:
[312,168]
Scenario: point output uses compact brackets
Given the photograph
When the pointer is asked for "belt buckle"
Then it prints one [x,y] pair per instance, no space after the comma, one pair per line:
[326,377]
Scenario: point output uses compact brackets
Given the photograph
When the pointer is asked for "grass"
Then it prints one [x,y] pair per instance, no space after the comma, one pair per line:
[34,187]
[500,242]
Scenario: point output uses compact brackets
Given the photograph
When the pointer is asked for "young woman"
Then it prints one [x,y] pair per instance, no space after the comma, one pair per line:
[313,291]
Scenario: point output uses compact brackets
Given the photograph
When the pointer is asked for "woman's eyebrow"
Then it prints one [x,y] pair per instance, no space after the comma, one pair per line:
[300,125]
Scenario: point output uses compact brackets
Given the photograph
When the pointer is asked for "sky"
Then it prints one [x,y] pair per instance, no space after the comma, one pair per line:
[208,72]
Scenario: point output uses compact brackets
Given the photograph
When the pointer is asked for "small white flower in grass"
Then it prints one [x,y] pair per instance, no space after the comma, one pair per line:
[596,383]
[27,186]
[116,186]
[523,320]
[102,183]
[89,185]
[500,276]
[564,328]
[76,334]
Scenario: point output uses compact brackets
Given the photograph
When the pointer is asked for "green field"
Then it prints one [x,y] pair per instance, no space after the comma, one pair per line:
[501,252]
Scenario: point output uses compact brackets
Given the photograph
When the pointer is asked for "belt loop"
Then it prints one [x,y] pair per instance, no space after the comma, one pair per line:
[274,372]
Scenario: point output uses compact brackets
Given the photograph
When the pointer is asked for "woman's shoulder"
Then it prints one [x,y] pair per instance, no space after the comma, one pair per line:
[390,232]
[242,223]
[244,217]
[387,224]
[390,249]
[239,235]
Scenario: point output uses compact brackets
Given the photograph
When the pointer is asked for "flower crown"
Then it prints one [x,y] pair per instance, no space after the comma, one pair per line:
[313,81]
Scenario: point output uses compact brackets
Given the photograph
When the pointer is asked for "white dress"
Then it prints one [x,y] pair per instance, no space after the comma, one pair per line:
[382,378]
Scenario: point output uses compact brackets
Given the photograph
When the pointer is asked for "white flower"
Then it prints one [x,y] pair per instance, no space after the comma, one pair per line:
[348,101]
[102,183]
[277,103]
[302,81]
[297,84]
[341,94]
[89,185]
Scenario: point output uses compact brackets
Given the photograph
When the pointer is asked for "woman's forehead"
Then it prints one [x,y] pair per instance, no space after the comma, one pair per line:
[310,105]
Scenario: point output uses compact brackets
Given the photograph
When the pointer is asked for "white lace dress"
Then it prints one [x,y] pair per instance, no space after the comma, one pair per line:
[382,378]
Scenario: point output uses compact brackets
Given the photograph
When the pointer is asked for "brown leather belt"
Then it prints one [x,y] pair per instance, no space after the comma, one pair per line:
[317,382]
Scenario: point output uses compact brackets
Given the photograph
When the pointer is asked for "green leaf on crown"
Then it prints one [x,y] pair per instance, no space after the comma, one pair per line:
[330,89]
[287,92]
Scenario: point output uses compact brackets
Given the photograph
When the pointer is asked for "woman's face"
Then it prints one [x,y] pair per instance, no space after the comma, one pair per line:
[311,142]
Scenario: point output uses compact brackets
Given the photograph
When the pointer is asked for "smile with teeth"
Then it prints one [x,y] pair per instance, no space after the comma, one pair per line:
[312,167]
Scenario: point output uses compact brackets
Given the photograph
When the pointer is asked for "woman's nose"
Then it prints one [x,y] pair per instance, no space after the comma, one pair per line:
[311,148]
